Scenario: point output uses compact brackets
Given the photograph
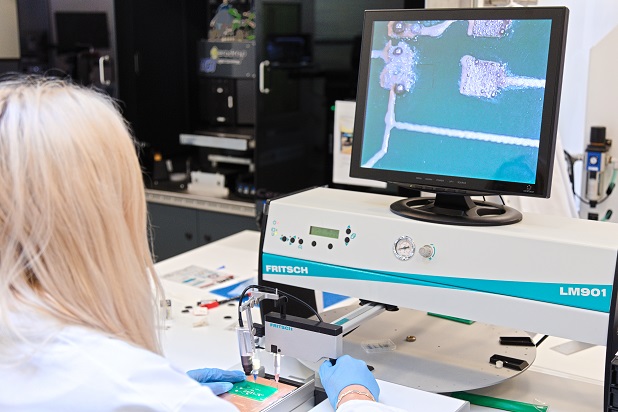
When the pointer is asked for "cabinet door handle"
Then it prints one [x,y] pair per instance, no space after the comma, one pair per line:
[188,235]
[263,88]
[207,238]
[102,78]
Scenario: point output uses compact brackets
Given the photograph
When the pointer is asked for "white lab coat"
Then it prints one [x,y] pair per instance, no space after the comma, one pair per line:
[84,370]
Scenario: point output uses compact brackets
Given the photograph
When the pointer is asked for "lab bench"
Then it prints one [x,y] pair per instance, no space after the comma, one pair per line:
[566,381]
[182,221]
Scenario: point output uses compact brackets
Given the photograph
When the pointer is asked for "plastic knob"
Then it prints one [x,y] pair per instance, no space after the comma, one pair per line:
[426,251]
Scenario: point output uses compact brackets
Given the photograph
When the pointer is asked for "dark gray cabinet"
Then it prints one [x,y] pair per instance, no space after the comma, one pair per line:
[177,229]
[174,230]
[213,226]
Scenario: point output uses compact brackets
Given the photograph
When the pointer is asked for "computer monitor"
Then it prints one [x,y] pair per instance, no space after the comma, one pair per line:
[460,102]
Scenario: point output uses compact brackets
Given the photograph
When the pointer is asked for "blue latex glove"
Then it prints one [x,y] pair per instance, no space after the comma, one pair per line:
[218,380]
[347,371]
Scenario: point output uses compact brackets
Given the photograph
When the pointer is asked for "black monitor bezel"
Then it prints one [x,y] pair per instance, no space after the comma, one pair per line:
[465,185]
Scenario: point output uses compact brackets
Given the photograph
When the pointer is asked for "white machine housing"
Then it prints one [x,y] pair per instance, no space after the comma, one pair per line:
[546,274]
[302,339]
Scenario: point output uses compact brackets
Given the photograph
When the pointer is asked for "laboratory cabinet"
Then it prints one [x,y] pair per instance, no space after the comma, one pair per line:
[267,84]
[244,95]
[155,48]
[261,104]
[177,229]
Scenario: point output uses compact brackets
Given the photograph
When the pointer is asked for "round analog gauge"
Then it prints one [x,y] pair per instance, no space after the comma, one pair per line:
[404,248]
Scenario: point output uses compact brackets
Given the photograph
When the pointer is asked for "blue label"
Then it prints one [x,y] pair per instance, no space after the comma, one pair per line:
[584,296]
[278,326]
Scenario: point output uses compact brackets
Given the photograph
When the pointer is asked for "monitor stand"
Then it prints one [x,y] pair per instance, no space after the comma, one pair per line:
[456,209]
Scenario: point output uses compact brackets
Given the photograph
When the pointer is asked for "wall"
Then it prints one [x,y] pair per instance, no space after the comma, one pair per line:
[602,108]
[9,33]
[589,85]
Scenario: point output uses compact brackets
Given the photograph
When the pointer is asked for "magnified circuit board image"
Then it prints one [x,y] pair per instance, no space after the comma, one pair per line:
[467,94]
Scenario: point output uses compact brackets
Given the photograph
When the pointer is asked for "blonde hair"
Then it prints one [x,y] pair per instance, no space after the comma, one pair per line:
[73,223]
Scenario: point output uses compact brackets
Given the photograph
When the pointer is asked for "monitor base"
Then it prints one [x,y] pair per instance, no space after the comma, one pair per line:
[456,209]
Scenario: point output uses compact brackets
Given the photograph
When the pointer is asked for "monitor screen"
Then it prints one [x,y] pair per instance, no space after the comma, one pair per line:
[76,31]
[460,100]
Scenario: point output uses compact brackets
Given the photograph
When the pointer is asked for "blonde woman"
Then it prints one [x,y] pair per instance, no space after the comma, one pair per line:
[79,297]
[78,292]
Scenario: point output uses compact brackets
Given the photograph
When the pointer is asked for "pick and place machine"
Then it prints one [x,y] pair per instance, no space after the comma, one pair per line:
[549,275]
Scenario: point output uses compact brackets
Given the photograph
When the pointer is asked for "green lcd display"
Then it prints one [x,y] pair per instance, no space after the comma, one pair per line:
[324,232]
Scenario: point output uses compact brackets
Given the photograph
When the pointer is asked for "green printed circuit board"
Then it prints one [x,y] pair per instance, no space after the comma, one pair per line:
[251,390]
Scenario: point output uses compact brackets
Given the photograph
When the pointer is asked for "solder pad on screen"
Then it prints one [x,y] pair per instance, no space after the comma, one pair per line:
[251,390]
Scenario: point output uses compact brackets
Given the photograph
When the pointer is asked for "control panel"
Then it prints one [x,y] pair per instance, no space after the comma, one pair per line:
[335,237]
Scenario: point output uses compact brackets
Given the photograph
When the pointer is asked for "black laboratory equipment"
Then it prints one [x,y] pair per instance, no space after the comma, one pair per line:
[83,42]
[597,160]
[261,112]
[268,74]
[599,173]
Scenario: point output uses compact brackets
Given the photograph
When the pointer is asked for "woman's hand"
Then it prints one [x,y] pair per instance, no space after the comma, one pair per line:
[348,379]
[218,380]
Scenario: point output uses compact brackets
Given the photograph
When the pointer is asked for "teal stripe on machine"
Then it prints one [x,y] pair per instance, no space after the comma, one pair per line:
[584,296]
[282,265]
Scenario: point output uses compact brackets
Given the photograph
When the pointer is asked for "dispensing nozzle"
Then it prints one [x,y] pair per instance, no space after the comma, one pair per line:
[245,346]
[256,368]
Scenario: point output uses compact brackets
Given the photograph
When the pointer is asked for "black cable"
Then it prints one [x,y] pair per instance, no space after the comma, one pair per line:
[241,298]
[541,340]
[571,168]
[296,299]
[571,171]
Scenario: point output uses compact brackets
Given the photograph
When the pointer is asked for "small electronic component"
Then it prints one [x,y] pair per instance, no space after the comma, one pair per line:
[509,363]
[516,341]
[379,346]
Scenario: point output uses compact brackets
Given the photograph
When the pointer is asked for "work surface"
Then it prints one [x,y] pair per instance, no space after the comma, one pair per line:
[565,382]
